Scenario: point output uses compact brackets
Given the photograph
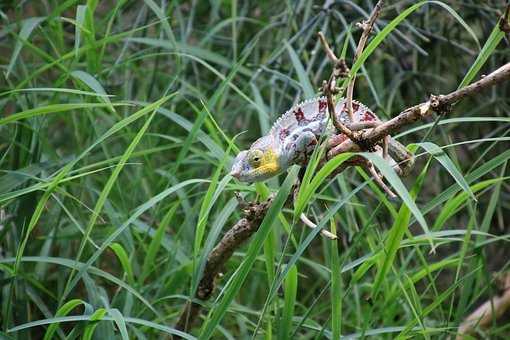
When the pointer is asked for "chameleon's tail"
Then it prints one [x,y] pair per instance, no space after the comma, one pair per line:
[402,156]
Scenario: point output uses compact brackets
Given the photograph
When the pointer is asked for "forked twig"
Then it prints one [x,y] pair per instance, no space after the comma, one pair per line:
[367,27]
[329,87]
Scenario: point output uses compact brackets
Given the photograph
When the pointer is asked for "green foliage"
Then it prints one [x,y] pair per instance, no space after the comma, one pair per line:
[116,138]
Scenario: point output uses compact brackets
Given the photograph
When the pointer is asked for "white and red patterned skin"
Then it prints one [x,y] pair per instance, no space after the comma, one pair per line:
[294,136]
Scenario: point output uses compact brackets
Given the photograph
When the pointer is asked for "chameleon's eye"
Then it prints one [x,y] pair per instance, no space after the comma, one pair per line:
[255,158]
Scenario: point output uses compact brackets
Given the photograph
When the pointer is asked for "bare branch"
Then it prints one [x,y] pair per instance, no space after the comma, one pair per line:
[367,27]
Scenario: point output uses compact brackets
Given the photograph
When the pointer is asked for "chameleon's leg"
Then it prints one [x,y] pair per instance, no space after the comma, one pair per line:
[300,147]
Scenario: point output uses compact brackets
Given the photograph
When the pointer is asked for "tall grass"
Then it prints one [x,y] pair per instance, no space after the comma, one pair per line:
[119,123]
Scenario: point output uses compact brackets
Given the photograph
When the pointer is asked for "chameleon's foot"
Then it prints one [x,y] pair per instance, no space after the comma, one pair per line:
[312,225]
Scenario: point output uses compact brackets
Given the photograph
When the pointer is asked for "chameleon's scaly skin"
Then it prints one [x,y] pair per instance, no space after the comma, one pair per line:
[293,137]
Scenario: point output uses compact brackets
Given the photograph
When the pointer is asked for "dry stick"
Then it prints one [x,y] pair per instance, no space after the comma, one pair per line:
[438,104]
[367,27]
[488,311]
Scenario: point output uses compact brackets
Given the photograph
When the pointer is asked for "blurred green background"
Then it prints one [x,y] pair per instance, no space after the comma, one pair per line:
[115,141]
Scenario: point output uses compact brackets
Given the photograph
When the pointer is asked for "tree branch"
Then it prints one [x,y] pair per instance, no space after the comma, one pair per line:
[440,104]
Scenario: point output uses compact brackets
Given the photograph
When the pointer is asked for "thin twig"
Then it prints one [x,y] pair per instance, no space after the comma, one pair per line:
[312,225]
[329,52]
[367,27]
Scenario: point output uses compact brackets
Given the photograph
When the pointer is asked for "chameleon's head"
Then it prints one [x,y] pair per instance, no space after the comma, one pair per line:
[258,163]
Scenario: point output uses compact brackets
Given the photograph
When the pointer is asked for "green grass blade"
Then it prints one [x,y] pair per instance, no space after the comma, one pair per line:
[54,108]
[119,320]
[487,50]
[27,26]
[289,295]
[336,287]
[396,183]
[124,261]
[304,81]
[93,84]
[447,163]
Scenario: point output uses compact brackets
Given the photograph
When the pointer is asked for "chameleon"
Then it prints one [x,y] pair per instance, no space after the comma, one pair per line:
[295,134]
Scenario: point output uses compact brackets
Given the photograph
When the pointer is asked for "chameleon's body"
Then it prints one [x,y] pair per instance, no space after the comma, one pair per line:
[294,136]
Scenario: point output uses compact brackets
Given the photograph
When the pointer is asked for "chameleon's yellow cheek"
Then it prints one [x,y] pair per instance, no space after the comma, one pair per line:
[269,164]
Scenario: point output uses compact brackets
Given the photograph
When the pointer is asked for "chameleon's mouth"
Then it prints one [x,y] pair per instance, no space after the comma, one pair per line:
[235,174]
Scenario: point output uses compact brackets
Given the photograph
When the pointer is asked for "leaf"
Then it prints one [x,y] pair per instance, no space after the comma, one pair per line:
[163,18]
[27,26]
[379,38]
[307,191]
[124,260]
[119,320]
[149,263]
[391,245]
[75,318]
[55,89]
[89,329]
[471,177]
[488,48]
[62,311]
[336,287]
[54,108]
[301,73]
[115,174]
[447,163]
[81,10]
[289,295]
[302,246]
[453,204]
[459,19]
[136,214]
[390,175]
[92,82]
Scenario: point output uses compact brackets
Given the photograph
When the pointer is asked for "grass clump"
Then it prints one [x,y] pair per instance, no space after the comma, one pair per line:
[117,131]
